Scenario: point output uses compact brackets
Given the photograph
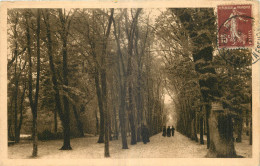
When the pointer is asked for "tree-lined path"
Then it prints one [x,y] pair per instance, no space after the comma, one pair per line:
[122,75]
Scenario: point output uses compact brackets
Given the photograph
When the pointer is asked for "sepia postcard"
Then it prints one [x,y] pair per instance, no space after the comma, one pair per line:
[130,82]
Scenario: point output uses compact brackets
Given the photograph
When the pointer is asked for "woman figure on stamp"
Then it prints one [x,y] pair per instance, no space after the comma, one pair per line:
[232,22]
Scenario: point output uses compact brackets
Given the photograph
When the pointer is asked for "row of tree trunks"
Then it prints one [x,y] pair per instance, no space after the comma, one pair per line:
[17,74]
[187,123]
[202,57]
[139,98]
[149,93]
[131,87]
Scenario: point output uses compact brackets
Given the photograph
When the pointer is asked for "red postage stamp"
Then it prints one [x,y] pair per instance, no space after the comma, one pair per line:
[235,26]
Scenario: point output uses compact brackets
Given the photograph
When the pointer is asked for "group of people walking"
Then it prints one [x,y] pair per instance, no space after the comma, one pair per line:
[169,131]
[145,132]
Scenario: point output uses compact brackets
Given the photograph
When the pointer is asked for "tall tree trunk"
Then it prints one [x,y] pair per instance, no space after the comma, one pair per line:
[115,123]
[10,121]
[34,104]
[198,123]
[201,127]
[195,127]
[21,111]
[207,126]
[64,34]
[66,127]
[239,131]
[100,106]
[79,123]
[58,106]
[247,122]
[104,85]
[221,134]
[131,107]
[148,85]
[16,81]
[15,103]
[193,130]
[139,104]
[35,136]
[122,89]
[97,123]
[240,127]
[28,36]
[122,110]
[250,133]
[114,118]
[250,130]
[55,121]
[106,113]
[110,127]
[131,35]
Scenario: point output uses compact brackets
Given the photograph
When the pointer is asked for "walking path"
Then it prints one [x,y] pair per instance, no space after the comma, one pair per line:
[178,146]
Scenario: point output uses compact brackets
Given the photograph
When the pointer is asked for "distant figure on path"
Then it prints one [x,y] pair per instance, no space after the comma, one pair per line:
[145,134]
[164,131]
[173,131]
[168,131]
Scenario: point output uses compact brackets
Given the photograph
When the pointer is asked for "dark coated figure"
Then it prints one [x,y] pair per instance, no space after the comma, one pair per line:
[145,134]
[173,131]
[164,131]
[168,131]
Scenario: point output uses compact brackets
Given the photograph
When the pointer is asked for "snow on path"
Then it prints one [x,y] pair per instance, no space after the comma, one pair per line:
[164,147]
[158,147]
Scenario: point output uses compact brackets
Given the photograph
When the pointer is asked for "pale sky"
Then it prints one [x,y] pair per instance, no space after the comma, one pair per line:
[167,99]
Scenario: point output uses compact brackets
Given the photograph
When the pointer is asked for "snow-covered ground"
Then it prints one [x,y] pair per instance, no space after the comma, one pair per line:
[178,146]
